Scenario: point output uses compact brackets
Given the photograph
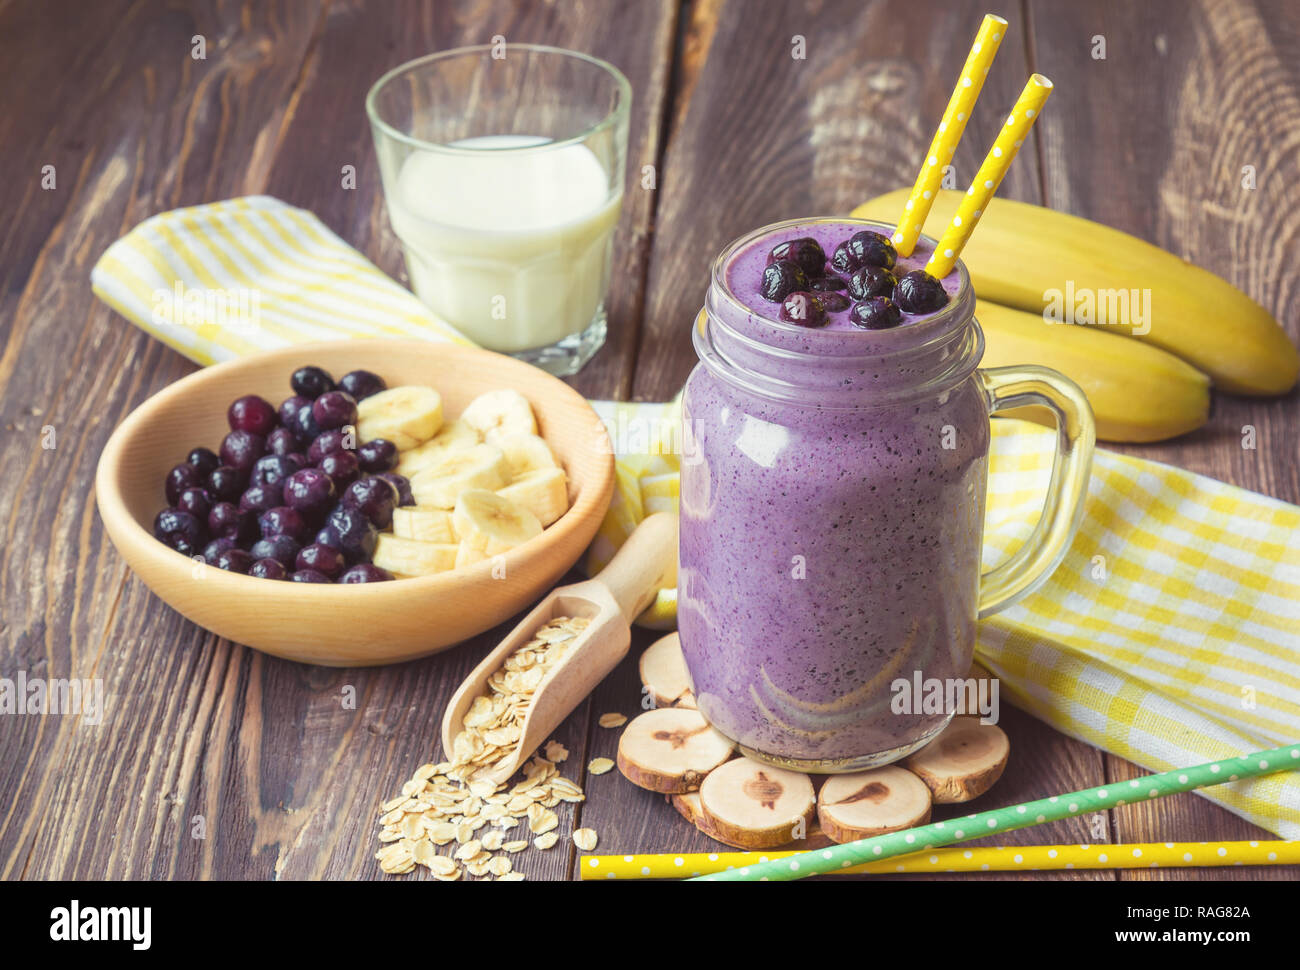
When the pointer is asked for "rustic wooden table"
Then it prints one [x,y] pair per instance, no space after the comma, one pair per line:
[286,779]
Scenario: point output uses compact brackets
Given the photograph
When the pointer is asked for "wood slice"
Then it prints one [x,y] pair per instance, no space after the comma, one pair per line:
[687,805]
[671,750]
[755,806]
[664,674]
[963,762]
[867,803]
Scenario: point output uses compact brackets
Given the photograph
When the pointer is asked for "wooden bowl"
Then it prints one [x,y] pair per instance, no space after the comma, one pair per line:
[362,624]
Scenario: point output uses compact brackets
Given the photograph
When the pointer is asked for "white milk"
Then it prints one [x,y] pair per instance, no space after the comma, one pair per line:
[512,248]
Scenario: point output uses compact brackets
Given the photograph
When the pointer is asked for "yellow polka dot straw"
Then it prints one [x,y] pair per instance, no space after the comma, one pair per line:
[1002,858]
[1013,134]
[949,133]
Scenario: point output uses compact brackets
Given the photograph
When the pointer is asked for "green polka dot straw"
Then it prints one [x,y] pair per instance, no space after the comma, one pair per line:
[819,861]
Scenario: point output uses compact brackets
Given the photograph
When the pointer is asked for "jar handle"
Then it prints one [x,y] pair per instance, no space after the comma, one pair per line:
[1076,434]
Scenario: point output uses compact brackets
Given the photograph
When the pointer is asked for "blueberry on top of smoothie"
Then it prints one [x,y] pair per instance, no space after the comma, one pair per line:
[781,278]
[877,313]
[869,248]
[842,260]
[871,281]
[833,302]
[804,309]
[828,283]
[805,251]
[919,292]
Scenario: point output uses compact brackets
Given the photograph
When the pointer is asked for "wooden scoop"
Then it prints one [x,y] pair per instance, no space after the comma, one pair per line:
[611,601]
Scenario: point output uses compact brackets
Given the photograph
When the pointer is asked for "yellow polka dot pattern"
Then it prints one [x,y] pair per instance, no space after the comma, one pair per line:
[1013,134]
[1004,858]
[949,133]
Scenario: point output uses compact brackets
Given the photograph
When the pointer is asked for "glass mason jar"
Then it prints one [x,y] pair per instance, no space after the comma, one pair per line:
[832,512]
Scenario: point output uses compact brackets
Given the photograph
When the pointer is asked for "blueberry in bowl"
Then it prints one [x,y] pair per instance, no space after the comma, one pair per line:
[311,382]
[352,533]
[343,468]
[366,573]
[334,409]
[283,549]
[362,384]
[403,486]
[180,478]
[268,569]
[311,491]
[375,498]
[253,414]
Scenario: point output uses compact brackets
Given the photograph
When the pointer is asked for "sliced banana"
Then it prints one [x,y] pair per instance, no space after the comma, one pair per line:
[410,557]
[525,452]
[544,492]
[482,466]
[402,442]
[963,762]
[424,523]
[499,413]
[867,803]
[455,435]
[756,806]
[405,414]
[664,674]
[492,524]
[670,750]
[468,554]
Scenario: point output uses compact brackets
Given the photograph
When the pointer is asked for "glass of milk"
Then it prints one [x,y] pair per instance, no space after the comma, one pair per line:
[502,167]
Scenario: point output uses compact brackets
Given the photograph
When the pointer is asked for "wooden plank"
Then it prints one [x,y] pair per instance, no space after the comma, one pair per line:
[144,127]
[1165,140]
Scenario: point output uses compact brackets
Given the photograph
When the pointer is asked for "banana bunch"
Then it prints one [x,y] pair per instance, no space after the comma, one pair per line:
[483,483]
[1143,332]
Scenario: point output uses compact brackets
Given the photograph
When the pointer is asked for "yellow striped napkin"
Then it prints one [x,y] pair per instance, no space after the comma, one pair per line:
[1170,634]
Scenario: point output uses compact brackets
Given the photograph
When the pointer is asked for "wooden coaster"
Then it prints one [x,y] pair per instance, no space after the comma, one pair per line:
[867,803]
[963,762]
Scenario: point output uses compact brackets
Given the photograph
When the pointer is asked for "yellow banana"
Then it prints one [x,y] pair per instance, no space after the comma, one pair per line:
[1026,256]
[1137,392]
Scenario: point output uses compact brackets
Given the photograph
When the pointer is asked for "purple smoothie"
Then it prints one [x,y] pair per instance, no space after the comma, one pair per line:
[832,497]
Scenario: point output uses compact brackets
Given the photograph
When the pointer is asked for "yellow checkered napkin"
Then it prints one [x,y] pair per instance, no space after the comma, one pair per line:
[1170,635]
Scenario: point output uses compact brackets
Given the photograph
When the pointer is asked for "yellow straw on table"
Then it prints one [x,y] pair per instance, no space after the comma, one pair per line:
[1013,134]
[1008,858]
[949,133]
